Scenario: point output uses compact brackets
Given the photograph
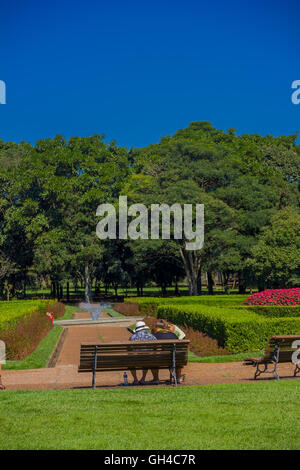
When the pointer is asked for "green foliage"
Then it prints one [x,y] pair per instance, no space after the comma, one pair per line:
[276,256]
[12,311]
[49,193]
[274,311]
[25,324]
[236,327]
[39,358]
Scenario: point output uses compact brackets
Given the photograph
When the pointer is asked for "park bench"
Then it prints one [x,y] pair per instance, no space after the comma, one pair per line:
[278,350]
[135,355]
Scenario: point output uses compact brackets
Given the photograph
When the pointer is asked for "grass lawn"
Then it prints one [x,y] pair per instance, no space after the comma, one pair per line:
[192,357]
[263,415]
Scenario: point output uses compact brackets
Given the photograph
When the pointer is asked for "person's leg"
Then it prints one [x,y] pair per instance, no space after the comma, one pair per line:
[179,375]
[143,379]
[155,376]
[135,379]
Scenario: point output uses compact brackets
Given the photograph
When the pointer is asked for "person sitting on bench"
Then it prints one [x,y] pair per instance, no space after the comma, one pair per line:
[142,333]
[163,330]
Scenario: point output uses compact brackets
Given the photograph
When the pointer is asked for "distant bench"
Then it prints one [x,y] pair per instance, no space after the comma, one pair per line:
[278,350]
[136,355]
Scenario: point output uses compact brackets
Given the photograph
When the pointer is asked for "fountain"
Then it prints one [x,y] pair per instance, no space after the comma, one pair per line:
[94,309]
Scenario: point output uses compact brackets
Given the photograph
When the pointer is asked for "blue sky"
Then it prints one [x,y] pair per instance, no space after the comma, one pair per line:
[138,70]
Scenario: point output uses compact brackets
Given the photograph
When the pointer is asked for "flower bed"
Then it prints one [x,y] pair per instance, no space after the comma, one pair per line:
[275,297]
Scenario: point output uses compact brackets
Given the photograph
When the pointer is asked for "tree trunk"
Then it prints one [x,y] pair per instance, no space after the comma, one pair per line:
[242,285]
[24,285]
[199,282]
[210,283]
[87,284]
[68,291]
[58,291]
[192,263]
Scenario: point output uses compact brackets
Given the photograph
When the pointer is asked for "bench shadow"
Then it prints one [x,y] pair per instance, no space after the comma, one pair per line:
[121,386]
[263,379]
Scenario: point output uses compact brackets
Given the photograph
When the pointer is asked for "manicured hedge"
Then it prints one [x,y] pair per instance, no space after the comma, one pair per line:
[148,305]
[12,311]
[275,311]
[23,324]
[235,329]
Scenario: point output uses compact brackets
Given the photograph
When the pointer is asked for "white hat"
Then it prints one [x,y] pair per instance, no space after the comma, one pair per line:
[140,325]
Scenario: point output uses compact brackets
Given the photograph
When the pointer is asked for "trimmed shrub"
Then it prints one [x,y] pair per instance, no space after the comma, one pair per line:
[148,305]
[23,324]
[128,308]
[236,330]
[275,311]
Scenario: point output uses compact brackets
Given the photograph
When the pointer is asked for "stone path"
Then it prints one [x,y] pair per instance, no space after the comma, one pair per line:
[65,376]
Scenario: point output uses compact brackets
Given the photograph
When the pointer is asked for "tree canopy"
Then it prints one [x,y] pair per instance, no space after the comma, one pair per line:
[249,186]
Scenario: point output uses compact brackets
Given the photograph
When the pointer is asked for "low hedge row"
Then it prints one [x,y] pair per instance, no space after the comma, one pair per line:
[12,311]
[23,325]
[275,311]
[235,329]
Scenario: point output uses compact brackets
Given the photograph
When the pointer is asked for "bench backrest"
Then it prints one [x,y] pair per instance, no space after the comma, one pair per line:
[284,344]
[133,355]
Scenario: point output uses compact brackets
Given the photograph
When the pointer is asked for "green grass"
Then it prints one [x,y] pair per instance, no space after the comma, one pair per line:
[113,313]
[262,415]
[40,357]
[223,358]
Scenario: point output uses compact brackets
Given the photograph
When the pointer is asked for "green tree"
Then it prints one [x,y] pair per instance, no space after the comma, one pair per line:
[276,256]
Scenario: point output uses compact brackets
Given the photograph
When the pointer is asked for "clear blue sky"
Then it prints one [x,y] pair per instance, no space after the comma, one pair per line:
[137,70]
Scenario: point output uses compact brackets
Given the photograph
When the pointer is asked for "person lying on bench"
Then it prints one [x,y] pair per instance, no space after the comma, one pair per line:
[142,333]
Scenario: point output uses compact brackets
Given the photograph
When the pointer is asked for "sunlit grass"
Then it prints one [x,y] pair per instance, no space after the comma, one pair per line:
[261,415]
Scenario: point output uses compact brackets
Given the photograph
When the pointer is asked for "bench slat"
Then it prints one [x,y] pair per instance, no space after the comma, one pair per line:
[132,355]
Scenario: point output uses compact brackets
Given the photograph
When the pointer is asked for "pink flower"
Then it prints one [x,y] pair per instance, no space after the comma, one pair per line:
[275,297]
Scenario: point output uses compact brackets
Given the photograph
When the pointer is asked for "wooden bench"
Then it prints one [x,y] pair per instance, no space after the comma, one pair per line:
[135,355]
[278,350]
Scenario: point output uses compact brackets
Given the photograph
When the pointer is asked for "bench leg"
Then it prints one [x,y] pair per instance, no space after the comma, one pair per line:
[297,369]
[259,371]
[94,380]
[94,368]
[275,373]
[173,370]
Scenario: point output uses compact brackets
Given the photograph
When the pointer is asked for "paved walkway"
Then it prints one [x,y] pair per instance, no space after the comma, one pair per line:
[65,376]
